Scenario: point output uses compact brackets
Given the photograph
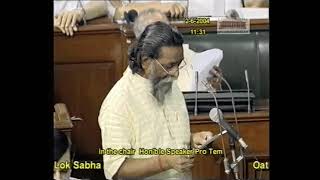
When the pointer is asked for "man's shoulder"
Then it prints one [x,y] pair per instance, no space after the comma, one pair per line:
[118,93]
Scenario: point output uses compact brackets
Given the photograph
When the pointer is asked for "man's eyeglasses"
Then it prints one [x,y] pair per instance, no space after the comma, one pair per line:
[170,71]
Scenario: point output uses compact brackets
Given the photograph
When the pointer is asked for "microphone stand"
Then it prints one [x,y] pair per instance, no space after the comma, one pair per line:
[196,96]
[233,154]
[211,90]
[232,146]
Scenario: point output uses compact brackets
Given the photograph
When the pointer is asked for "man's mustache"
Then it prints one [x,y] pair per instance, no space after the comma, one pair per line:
[168,79]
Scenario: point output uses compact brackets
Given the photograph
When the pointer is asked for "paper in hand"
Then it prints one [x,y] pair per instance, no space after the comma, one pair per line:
[203,62]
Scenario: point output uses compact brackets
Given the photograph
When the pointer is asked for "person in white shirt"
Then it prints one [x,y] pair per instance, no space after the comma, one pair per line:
[185,80]
[60,6]
[73,12]
[146,109]
[67,14]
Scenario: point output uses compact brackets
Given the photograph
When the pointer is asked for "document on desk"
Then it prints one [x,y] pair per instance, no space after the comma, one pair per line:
[203,62]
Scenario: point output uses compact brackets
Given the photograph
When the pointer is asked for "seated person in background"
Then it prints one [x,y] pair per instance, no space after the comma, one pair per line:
[60,6]
[153,111]
[67,14]
[173,9]
[186,75]
[67,20]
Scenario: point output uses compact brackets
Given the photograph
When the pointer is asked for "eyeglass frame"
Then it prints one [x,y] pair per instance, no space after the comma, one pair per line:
[179,67]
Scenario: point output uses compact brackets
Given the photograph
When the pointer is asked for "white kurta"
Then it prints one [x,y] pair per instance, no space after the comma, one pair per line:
[131,117]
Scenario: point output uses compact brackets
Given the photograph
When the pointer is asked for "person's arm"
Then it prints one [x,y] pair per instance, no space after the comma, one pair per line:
[151,166]
[141,167]
[95,9]
[119,11]
[66,21]
[170,9]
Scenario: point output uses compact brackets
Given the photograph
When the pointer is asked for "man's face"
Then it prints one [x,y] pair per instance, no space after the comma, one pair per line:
[168,63]
[164,70]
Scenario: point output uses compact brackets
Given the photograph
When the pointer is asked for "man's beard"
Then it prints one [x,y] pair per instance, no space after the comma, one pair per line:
[161,87]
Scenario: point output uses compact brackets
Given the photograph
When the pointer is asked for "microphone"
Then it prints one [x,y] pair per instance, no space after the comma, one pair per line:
[130,16]
[196,98]
[248,87]
[216,116]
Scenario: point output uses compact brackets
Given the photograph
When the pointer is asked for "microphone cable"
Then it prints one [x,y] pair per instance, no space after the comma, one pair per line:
[211,90]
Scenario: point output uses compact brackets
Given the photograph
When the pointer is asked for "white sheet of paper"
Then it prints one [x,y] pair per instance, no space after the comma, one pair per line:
[200,8]
[232,4]
[253,13]
[203,62]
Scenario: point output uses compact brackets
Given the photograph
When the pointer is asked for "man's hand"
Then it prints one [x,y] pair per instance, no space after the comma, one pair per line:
[181,163]
[66,21]
[200,138]
[173,10]
[215,77]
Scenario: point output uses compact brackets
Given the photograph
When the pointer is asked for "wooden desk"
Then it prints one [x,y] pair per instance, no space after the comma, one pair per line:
[87,65]
[254,129]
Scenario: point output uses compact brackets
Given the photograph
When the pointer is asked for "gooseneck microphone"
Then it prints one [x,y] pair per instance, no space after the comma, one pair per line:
[248,89]
[196,97]
[211,90]
[216,116]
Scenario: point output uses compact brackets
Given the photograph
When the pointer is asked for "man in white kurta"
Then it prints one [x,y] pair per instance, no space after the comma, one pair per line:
[130,117]
[146,109]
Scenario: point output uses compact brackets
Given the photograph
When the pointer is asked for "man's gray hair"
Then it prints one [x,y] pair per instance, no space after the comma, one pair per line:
[148,45]
[147,17]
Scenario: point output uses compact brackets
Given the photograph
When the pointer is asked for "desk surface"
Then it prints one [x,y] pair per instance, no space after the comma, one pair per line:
[102,24]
